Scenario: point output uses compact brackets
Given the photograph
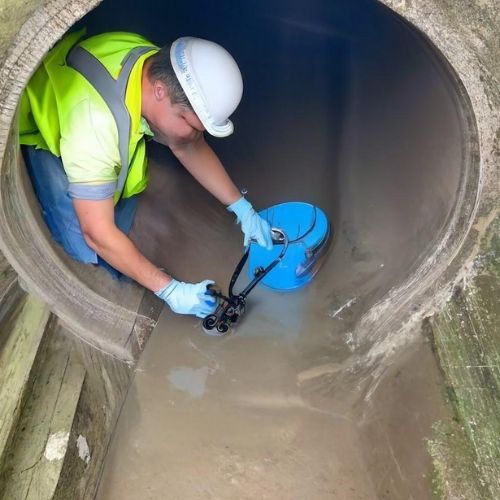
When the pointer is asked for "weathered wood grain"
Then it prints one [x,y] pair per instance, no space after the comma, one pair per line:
[25,333]
[33,466]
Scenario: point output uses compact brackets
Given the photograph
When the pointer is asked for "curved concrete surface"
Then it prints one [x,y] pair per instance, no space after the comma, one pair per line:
[91,304]
[321,364]
[344,106]
[303,374]
[116,318]
[299,372]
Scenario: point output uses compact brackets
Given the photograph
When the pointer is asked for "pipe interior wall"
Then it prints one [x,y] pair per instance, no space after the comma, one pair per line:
[344,106]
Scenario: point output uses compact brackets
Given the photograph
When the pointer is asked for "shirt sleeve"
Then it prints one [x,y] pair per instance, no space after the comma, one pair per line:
[92,191]
[89,146]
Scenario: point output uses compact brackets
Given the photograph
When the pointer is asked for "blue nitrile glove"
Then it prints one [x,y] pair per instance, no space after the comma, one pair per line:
[253,225]
[188,298]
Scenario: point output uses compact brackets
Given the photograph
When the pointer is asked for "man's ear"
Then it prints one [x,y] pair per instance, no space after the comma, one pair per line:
[160,91]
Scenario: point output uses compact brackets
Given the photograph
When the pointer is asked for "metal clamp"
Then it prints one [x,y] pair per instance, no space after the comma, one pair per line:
[232,306]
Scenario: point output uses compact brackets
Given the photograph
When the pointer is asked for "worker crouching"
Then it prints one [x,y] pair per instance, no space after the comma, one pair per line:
[84,118]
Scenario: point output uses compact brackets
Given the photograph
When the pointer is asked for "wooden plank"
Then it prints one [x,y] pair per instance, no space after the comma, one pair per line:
[104,391]
[34,464]
[22,336]
[11,295]
[75,391]
[7,276]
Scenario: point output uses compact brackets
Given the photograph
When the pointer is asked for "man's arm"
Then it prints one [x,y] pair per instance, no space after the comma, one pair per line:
[101,234]
[204,165]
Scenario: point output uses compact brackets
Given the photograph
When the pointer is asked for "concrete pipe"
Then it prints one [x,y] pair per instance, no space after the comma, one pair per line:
[346,105]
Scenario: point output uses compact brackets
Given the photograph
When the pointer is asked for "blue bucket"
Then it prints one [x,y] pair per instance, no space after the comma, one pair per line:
[308,232]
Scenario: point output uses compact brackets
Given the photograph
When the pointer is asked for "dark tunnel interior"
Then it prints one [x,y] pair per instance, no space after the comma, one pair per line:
[345,106]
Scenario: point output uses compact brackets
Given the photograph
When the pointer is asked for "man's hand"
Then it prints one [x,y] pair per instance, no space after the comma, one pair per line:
[254,227]
[188,298]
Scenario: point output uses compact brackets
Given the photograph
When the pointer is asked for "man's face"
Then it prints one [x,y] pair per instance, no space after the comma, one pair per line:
[172,123]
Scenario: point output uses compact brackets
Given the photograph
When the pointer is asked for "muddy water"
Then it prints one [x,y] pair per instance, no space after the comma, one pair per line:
[345,107]
[268,412]
[227,420]
[259,415]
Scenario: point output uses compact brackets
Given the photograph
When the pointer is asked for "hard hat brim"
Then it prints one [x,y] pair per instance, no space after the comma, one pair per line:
[219,130]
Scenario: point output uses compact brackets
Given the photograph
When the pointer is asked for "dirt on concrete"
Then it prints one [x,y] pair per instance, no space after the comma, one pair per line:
[255,415]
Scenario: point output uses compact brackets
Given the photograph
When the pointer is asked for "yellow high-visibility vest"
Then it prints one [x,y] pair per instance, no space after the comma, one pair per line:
[56,88]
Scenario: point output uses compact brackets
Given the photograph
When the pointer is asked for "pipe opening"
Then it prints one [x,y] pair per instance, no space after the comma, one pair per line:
[345,106]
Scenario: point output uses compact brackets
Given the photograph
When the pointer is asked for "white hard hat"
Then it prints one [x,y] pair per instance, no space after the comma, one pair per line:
[211,81]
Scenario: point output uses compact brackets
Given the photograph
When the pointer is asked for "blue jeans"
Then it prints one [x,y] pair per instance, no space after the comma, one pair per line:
[51,187]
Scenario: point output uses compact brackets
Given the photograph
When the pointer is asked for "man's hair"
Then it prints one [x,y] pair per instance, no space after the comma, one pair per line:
[161,69]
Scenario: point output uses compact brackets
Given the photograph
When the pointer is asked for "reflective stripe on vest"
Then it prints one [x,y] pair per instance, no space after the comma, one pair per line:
[113,93]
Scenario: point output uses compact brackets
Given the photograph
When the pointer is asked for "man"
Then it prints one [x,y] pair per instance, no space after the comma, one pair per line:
[83,118]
